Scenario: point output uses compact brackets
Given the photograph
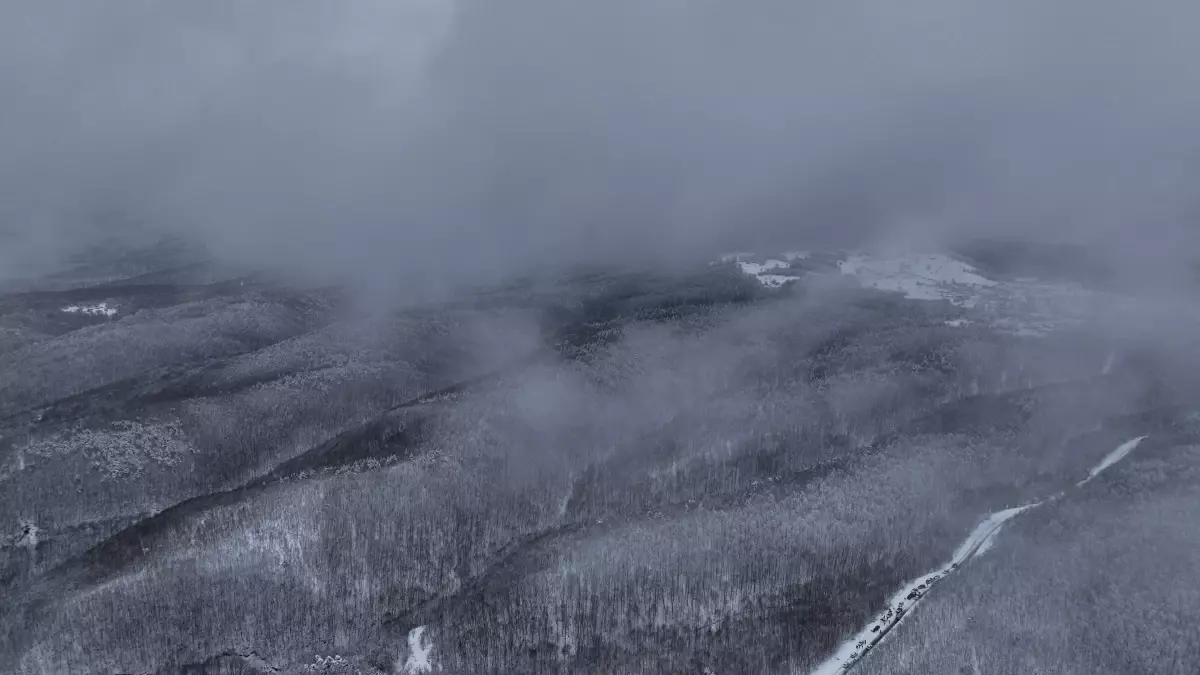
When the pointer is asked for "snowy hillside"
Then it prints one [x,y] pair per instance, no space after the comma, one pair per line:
[791,463]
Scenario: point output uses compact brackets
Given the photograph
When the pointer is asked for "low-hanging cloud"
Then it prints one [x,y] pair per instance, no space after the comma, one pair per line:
[418,144]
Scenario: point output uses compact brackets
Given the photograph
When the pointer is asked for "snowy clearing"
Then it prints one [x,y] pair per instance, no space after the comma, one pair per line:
[1024,306]
[920,276]
[420,653]
[760,271]
[923,276]
[756,269]
[102,309]
[902,602]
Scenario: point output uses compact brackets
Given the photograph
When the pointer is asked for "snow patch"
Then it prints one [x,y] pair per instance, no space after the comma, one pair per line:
[102,309]
[420,653]
[773,280]
[924,276]
[734,257]
[796,255]
[761,271]
[758,268]
[959,323]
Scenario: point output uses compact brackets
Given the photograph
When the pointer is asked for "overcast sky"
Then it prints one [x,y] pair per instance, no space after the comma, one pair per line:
[398,139]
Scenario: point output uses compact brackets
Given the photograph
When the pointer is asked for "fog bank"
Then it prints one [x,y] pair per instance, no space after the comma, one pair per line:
[417,145]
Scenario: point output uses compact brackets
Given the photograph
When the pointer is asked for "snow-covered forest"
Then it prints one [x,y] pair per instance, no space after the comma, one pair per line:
[615,472]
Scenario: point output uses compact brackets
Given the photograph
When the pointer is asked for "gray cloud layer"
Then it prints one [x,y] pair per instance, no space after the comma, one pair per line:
[396,140]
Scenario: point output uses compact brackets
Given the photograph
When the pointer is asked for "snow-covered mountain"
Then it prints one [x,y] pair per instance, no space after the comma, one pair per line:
[759,466]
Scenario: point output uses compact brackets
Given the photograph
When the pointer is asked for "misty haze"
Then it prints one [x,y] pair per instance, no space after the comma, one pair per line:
[682,337]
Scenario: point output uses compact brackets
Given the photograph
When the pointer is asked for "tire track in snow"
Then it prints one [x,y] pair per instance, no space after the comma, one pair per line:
[903,601]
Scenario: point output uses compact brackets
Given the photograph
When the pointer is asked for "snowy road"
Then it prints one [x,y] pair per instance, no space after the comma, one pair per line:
[903,601]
